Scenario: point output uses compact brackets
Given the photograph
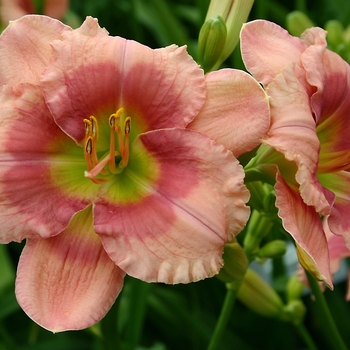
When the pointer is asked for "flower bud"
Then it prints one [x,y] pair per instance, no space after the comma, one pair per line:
[294,289]
[295,312]
[274,249]
[297,22]
[258,296]
[234,13]
[235,263]
[211,42]
[335,33]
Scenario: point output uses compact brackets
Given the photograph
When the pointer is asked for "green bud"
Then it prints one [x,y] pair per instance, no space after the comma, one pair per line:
[297,22]
[211,42]
[295,312]
[235,263]
[234,13]
[294,289]
[260,297]
[274,249]
[269,203]
[258,228]
[335,33]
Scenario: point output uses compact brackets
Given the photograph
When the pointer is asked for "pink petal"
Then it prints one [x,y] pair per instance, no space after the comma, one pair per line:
[339,220]
[31,203]
[267,49]
[176,233]
[331,102]
[67,282]
[236,112]
[98,74]
[25,48]
[293,133]
[305,226]
[336,246]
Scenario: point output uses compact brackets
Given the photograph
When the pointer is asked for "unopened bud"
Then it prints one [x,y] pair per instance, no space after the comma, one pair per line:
[234,13]
[335,33]
[295,312]
[294,289]
[260,297]
[211,42]
[297,22]
[235,263]
[274,249]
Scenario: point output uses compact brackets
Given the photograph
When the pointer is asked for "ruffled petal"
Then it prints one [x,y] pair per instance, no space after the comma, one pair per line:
[96,75]
[339,220]
[330,74]
[293,133]
[268,48]
[236,112]
[31,203]
[305,226]
[176,232]
[25,48]
[67,282]
[336,246]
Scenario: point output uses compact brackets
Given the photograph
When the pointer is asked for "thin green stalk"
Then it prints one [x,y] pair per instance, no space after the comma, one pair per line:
[329,327]
[225,314]
[304,334]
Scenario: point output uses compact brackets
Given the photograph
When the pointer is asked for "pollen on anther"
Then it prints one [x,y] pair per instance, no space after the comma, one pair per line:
[127,125]
[88,145]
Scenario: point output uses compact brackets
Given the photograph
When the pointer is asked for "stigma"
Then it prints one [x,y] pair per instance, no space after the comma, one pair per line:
[117,157]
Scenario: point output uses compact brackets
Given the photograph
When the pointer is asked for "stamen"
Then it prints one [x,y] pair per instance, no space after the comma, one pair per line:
[87,153]
[94,127]
[115,155]
[88,127]
[112,122]
[125,154]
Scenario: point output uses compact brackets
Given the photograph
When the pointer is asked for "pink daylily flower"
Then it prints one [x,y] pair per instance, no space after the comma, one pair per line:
[308,88]
[14,9]
[100,174]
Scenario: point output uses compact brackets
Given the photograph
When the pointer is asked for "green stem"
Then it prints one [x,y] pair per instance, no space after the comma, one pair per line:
[329,327]
[226,311]
[304,334]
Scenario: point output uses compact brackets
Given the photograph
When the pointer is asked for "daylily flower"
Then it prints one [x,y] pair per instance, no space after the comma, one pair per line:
[99,173]
[308,88]
[14,9]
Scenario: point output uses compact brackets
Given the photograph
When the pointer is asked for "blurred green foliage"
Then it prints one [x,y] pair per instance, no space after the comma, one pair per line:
[156,316]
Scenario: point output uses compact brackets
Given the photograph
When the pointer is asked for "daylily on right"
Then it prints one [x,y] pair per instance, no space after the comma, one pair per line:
[309,91]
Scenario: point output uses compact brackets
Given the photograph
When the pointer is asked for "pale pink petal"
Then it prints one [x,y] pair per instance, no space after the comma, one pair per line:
[293,133]
[180,227]
[98,74]
[236,112]
[267,49]
[30,202]
[67,282]
[305,226]
[25,48]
